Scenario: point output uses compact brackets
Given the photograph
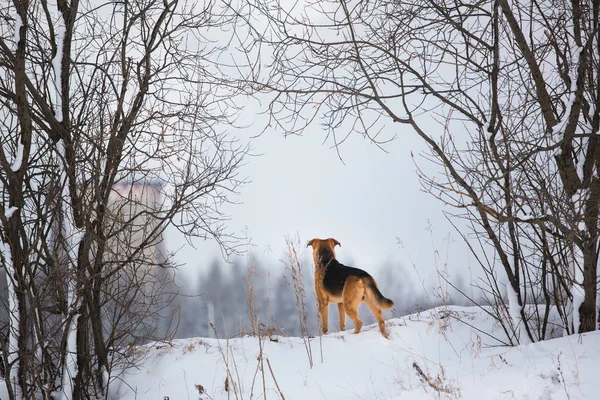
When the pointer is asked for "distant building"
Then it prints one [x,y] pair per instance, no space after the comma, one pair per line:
[136,251]
[134,207]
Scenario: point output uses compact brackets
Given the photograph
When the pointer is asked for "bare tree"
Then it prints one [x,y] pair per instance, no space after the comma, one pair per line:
[94,95]
[506,96]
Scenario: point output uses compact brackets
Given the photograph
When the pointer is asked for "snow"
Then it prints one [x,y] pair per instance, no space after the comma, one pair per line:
[73,236]
[576,285]
[70,368]
[444,353]
[578,295]
[14,318]
[514,310]
[57,65]
[10,211]
[16,165]
[575,53]
[578,298]
[6,254]
[18,25]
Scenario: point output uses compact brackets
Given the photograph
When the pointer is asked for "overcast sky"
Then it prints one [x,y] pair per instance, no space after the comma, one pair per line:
[299,185]
[370,200]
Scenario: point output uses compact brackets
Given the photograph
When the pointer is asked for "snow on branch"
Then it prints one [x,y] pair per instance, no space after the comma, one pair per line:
[575,53]
[18,25]
[16,165]
[57,65]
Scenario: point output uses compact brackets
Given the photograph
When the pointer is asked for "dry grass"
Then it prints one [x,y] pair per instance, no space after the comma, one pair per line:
[293,266]
[440,384]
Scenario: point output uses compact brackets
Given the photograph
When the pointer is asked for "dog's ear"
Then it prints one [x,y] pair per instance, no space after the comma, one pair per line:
[335,242]
[310,242]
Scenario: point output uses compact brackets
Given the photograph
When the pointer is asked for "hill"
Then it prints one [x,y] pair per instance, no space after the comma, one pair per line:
[443,353]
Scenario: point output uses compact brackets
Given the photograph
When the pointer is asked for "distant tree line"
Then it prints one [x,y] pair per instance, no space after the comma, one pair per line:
[220,294]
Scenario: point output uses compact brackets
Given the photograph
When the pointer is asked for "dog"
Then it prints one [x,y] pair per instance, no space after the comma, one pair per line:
[346,286]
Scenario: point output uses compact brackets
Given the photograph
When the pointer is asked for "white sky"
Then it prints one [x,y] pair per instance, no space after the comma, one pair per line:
[299,185]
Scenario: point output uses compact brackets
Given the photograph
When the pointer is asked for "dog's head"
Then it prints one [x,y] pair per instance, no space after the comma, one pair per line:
[323,249]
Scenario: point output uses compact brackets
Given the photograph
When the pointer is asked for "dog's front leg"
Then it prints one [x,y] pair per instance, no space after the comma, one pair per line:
[324,312]
[342,315]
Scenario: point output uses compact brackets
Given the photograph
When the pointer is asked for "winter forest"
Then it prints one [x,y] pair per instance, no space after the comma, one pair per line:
[120,121]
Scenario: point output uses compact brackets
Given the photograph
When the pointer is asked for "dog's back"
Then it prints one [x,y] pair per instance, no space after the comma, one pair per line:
[335,275]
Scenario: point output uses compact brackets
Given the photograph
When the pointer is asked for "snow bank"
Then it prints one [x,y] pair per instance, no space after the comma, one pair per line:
[451,352]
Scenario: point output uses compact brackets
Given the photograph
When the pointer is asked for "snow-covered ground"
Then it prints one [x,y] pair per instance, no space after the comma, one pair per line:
[444,353]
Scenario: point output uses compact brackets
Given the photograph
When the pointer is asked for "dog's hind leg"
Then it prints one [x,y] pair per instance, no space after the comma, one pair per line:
[376,310]
[342,315]
[353,294]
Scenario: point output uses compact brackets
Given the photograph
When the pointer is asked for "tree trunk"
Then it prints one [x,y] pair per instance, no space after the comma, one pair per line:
[587,309]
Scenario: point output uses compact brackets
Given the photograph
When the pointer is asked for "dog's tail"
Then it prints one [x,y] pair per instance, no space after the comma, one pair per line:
[376,295]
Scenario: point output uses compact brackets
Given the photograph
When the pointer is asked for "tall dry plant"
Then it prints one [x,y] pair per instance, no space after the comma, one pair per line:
[293,266]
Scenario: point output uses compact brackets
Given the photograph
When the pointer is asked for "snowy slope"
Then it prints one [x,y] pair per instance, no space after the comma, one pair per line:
[441,353]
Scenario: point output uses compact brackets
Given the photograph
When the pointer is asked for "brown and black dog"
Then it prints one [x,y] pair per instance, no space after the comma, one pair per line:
[346,286]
